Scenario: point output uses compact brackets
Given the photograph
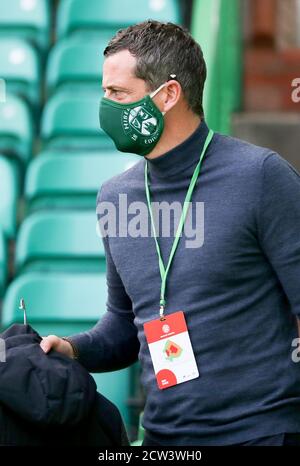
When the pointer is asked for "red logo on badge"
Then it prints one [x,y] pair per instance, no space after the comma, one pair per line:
[172,350]
[166,378]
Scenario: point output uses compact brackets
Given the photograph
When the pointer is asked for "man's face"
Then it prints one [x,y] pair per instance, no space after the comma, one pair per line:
[119,82]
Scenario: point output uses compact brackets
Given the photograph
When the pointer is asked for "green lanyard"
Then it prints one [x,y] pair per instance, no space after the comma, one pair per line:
[163,271]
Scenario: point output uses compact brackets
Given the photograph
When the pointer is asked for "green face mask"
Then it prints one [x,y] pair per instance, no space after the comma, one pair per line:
[134,127]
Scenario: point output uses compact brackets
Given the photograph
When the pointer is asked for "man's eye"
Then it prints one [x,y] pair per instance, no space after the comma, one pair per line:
[114,93]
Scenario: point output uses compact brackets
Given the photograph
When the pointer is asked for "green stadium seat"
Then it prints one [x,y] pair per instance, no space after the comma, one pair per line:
[3,263]
[71,181]
[64,304]
[9,192]
[72,300]
[78,15]
[19,66]
[27,19]
[56,241]
[141,433]
[72,121]
[16,129]
[74,63]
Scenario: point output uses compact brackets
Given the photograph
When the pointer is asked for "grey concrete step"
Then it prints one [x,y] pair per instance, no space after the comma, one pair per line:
[278,131]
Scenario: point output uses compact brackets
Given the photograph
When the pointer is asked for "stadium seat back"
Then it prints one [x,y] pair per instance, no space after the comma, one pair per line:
[78,15]
[28,19]
[9,191]
[55,297]
[75,63]
[71,121]
[16,129]
[141,432]
[19,66]
[71,181]
[54,240]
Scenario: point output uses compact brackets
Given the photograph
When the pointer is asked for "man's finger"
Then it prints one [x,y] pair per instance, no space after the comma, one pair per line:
[46,344]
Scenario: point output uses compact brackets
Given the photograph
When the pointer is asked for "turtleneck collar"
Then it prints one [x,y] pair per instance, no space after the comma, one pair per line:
[180,157]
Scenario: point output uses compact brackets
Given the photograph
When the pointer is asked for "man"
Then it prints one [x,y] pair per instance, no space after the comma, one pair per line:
[238,288]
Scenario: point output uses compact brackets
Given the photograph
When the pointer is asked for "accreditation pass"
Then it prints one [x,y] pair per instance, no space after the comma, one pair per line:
[171,350]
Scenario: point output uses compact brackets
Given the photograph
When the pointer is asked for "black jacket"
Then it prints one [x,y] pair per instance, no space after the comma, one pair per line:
[50,399]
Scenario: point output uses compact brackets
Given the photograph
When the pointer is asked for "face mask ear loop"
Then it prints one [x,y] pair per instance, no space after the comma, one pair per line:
[153,94]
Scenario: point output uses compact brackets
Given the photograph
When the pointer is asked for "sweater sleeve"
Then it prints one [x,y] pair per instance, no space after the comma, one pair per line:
[279,224]
[112,344]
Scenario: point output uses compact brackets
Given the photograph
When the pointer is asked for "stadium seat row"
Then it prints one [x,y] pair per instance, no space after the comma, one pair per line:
[31,19]
[75,16]
[73,64]
[55,241]
[52,108]
[26,19]
[69,122]
[59,257]
[57,180]
[77,56]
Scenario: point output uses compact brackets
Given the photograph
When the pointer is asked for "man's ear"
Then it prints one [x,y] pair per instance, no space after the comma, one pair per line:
[168,97]
[172,94]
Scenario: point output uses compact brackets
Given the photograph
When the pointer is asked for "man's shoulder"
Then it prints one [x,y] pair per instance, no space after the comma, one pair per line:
[244,160]
[248,157]
[241,150]
[121,183]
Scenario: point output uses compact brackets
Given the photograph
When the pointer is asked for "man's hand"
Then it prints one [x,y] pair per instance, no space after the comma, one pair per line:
[57,344]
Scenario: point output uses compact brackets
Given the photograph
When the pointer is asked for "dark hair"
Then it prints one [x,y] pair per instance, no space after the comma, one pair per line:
[162,49]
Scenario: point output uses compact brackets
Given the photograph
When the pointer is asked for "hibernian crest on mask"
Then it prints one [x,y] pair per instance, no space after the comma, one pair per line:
[139,121]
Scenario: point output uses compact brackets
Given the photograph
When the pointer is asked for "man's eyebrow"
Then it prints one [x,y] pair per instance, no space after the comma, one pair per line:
[114,88]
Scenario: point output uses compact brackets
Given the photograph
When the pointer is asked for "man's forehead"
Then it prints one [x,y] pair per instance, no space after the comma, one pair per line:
[120,62]
[117,73]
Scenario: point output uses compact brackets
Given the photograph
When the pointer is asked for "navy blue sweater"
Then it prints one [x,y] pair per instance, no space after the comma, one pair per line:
[240,291]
